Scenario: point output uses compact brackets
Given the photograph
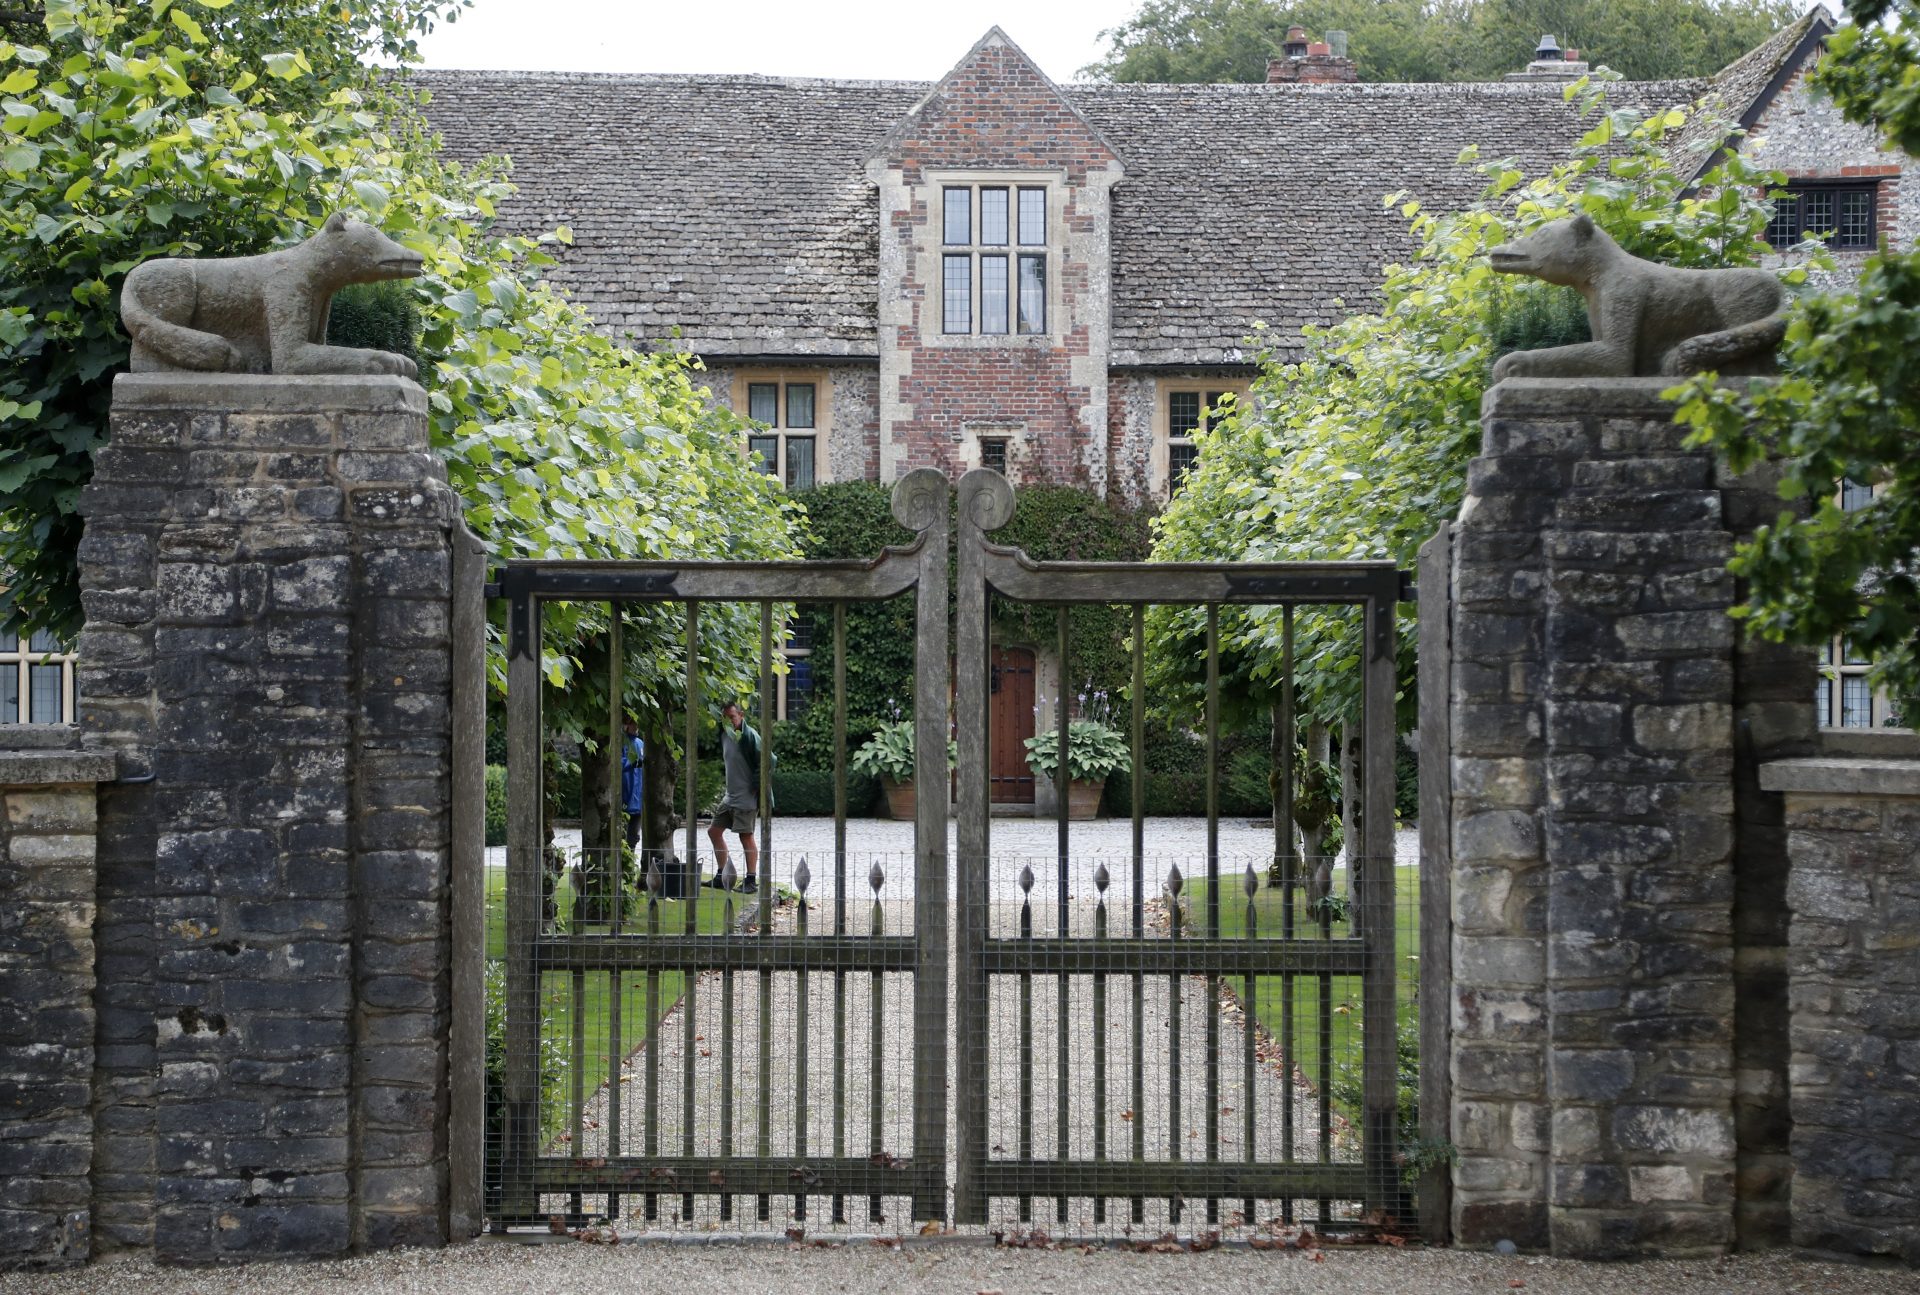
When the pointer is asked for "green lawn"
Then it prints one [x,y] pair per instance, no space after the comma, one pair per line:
[1270,992]
[596,989]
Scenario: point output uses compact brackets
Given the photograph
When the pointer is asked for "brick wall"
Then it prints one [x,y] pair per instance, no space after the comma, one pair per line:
[267,574]
[995,112]
[47,793]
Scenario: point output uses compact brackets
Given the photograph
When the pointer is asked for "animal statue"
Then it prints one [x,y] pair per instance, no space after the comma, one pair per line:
[261,314]
[1647,319]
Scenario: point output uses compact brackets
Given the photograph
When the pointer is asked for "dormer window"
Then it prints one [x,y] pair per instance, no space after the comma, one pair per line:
[993,263]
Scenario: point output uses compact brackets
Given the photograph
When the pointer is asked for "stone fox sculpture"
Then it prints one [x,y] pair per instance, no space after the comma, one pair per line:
[1647,319]
[261,314]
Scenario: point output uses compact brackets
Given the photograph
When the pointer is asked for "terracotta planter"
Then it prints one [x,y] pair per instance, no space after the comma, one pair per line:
[1083,798]
[900,798]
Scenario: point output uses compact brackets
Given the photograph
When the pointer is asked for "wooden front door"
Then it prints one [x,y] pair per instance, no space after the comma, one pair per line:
[1010,724]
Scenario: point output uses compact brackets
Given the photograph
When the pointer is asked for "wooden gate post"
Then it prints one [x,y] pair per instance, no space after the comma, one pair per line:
[986,504]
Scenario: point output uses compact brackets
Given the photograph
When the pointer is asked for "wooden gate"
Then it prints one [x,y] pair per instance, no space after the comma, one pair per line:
[572,988]
[1085,1022]
[1148,1040]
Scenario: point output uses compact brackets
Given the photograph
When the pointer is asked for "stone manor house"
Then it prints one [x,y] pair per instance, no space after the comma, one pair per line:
[1055,279]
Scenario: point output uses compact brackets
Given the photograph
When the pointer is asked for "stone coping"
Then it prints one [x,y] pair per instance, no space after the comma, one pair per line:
[1841,775]
[259,393]
[45,768]
[1570,397]
[39,737]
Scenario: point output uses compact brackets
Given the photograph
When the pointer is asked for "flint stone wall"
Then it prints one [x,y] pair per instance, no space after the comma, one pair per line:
[1600,833]
[1853,824]
[267,575]
[47,791]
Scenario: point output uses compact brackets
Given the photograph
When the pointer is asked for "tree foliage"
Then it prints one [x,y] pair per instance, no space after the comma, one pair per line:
[131,132]
[1359,451]
[1847,409]
[1452,40]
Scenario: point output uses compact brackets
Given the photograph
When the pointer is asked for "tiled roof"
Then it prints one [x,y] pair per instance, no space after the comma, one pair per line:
[1741,85]
[736,210]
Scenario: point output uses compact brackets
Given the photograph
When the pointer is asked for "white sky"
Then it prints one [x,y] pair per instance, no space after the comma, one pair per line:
[894,40]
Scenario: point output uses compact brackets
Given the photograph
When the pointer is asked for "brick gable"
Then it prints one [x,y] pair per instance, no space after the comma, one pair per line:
[996,110]
[995,119]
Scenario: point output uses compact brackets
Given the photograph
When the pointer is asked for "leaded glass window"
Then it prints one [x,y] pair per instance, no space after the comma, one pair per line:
[1189,412]
[36,680]
[957,292]
[985,291]
[787,446]
[1840,215]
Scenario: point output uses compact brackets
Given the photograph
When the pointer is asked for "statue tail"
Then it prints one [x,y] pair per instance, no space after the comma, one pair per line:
[1747,350]
[160,344]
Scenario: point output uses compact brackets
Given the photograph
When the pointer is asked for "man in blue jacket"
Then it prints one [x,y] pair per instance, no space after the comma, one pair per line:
[633,758]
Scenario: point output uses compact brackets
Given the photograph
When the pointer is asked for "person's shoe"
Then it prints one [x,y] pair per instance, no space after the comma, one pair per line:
[749,885]
[714,883]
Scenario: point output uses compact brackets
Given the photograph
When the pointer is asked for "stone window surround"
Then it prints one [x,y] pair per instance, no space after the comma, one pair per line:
[930,250]
[1011,431]
[1159,484]
[822,430]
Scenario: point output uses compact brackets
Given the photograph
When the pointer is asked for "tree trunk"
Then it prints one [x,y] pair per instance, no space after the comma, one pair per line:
[1313,818]
[598,867]
[1352,820]
[1285,868]
[658,794]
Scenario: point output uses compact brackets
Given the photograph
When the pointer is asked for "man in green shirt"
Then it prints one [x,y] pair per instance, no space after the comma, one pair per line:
[740,806]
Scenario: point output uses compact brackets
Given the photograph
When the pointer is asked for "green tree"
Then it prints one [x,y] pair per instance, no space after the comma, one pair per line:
[129,132]
[1847,409]
[1359,450]
[1452,40]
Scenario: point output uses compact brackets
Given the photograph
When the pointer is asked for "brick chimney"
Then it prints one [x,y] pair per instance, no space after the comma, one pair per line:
[1308,62]
[1551,65]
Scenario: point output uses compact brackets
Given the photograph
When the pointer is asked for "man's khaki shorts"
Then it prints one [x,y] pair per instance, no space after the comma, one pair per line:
[728,819]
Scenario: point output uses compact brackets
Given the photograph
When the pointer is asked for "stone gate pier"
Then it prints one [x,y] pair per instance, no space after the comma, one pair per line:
[1636,1053]
[269,572]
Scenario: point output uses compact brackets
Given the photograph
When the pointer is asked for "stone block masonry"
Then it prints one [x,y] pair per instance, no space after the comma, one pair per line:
[267,575]
[1853,824]
[1593,691]
[47,795]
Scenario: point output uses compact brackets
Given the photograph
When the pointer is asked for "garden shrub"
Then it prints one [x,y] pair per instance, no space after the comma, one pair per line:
[809,792]
[496,804]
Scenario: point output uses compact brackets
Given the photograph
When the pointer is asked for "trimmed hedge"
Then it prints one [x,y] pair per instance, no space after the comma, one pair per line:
[809,792]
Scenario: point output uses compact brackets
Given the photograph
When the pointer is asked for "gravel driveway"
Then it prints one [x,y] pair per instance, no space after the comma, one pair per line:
[946,1268]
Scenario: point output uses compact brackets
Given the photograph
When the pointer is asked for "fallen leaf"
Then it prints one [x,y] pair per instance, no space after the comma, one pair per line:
[931,1228]
[1516,1284]
[1319,1256]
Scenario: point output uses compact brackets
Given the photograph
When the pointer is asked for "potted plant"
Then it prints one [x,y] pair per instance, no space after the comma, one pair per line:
[1094,750]
[888,756]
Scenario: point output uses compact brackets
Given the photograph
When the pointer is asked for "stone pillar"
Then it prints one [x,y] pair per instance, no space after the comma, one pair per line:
[1853,822]
[47,788]
[267,574]
[1593,690]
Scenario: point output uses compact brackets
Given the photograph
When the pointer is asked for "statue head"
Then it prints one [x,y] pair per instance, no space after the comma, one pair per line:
[1564,252]
[353,251]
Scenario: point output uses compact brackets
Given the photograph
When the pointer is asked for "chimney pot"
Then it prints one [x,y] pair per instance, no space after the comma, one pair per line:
[1549,49]
[1319,49]
[1337,41]
[1573,56]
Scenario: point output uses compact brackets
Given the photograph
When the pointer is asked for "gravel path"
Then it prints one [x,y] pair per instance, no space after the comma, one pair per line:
[1171,1062]
[948,1268]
